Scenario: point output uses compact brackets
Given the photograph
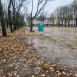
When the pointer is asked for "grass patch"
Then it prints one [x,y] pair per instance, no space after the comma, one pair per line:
[23,27]
[48,38]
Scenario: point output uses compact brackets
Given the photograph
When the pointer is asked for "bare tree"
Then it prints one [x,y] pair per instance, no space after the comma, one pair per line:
[9,15]
[2,20]
[40,6]
[14,15]
[74,5]
[52,18]
[42,16]
[64,15]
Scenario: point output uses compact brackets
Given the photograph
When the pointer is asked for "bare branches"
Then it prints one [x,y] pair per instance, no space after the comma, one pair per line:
[21,3]
[43,2]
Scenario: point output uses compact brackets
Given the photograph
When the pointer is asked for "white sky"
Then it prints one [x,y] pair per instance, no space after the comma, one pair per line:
[52,6]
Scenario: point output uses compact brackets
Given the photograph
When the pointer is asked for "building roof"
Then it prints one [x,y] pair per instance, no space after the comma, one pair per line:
[46,18]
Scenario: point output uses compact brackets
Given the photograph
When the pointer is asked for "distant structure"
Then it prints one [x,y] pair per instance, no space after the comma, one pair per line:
[46,21]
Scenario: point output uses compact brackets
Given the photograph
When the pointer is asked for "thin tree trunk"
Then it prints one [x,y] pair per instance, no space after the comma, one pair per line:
[76,20]
[68,24]
[14,15]
[10,22]
[31,26]
[65,24]
[53,23]
[9,18]
[62,23]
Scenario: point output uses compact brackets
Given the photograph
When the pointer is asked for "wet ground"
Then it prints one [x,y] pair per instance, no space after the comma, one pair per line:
[56,43]
[30,55]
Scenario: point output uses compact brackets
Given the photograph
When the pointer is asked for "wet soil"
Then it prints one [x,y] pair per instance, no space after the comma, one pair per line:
[64,49]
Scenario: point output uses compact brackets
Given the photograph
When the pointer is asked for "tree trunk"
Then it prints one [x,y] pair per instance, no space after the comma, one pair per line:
[14,19]
[53,23]
[10,22]
[76,20]
[31,26]
[9,18]
[2,20]
[65,24]
[17,21]
[62,23]
[14,22]
[68,24]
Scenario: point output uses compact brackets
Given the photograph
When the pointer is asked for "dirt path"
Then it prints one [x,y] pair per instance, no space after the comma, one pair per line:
[57,43]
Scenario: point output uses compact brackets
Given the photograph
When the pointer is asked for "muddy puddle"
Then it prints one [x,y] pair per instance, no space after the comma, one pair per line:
[57,43]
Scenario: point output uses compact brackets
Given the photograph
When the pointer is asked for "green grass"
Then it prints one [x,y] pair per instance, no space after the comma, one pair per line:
[48,38]
[23,27]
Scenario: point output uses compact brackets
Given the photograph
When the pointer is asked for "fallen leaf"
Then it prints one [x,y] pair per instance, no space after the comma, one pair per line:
[76,75]
[46,64]
[43,75]
[33,76]
[37,68]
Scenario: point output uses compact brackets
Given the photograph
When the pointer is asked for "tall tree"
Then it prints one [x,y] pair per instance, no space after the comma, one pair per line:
[17,5]
[4,33]
[52,18]
[9,15]
[74,5]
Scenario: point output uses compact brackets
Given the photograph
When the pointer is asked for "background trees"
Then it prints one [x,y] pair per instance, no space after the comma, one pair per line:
[74,7]
[67,15]
[14,13]
[11,15]
[42,16]
[52,19]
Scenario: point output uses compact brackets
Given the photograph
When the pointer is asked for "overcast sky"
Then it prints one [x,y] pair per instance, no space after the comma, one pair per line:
[51,6]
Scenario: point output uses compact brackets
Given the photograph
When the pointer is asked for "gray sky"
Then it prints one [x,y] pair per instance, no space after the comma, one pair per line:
[51,6]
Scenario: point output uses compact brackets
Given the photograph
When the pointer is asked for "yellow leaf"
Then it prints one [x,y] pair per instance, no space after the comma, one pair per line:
[43,75]
[16,67]
[57,71]
[59,74]
[47,71]
[76,75]
[46,64]
[9,74]
[15,73]
[37,68]
[1,71]
[4,60]
[51,68]
[32,75]
[63,72]
[11,65]
[54,65]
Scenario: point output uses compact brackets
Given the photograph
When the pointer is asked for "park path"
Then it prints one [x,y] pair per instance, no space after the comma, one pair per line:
[64,49]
